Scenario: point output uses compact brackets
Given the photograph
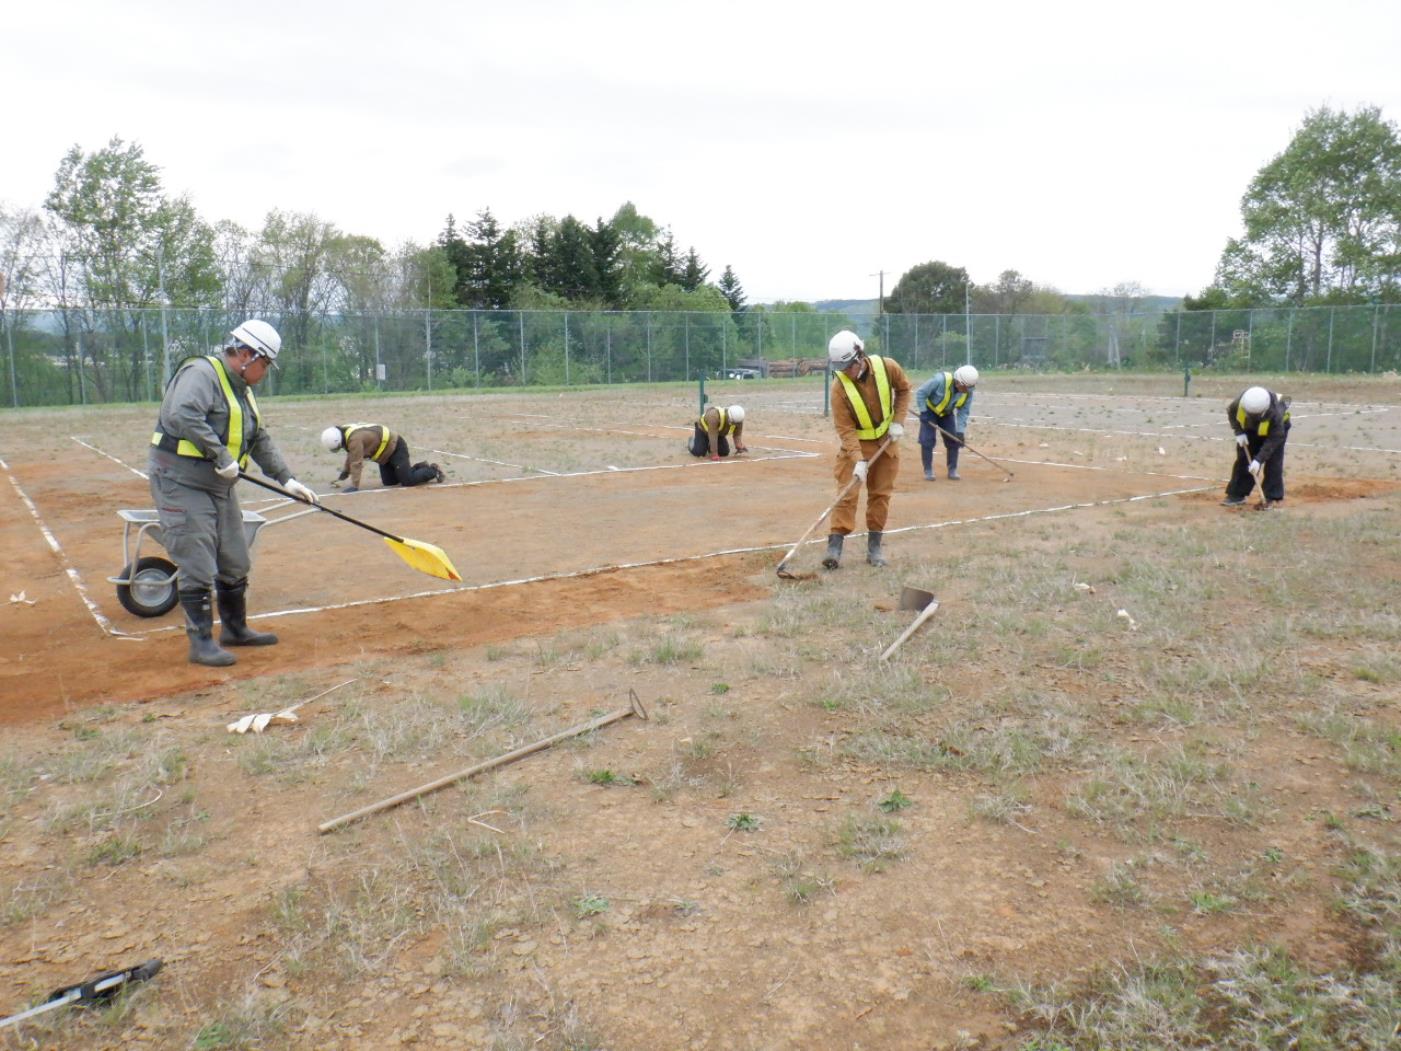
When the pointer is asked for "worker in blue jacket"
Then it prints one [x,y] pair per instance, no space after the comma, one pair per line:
[944,402]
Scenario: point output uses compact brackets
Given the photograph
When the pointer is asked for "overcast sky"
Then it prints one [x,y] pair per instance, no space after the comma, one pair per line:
[810,145]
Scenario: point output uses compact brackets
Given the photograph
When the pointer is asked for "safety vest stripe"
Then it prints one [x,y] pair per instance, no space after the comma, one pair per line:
[233,438]
[943,407]
[1264,426]
[383,436]
[724,423]
[869,431]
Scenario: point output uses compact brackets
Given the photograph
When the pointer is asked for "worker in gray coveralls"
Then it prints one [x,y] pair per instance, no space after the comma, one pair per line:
[209,426]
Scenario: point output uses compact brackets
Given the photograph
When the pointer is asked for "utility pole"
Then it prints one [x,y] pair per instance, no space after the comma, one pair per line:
[967,325]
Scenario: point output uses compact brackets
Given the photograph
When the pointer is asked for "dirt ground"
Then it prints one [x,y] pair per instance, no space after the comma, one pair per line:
[1139,723]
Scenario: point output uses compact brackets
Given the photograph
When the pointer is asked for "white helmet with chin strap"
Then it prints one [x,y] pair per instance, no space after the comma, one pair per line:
[332,439]
[843,348]
[966,375]
[257,336]
[735,413]
[1255,400]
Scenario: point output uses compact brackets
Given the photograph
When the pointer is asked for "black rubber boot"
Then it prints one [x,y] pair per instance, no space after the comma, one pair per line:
[833,558]
[233,618]
[873,552]
[199,626]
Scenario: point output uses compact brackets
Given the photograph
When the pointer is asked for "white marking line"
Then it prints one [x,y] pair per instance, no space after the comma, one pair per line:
[1093,467]
[643,434]
[54,546]
[499,463]
[94,448]
[575,574]
[1105,432]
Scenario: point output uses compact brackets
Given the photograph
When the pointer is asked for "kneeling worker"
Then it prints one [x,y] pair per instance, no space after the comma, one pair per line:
[209,425]
[944,402]
[1260,419]
[714,430]
[373,441]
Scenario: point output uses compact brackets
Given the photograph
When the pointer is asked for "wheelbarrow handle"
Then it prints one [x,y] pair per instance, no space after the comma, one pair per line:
[320,507]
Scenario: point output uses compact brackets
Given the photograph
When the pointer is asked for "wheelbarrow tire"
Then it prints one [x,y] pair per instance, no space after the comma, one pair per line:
[152,591]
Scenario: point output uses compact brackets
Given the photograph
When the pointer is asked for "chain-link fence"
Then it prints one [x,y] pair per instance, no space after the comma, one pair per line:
[70,357]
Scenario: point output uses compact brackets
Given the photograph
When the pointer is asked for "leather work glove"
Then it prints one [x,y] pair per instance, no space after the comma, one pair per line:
[714,458]
[229,471]
[1255,468]
[859,472]
[301,492]
[1242,440]
[896,431]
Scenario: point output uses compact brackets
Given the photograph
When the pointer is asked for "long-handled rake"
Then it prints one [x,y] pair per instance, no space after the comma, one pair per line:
[956,439]
[783,570]
[422,556]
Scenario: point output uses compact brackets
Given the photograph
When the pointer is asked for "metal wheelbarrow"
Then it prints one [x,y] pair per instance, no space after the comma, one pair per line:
[148,585]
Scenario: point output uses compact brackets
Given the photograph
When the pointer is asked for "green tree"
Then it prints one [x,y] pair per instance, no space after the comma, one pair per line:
[495,265]
[637,246]
[694,273]
[929,288]
[666,264]
[607,262]
[1322,219]
[731,289]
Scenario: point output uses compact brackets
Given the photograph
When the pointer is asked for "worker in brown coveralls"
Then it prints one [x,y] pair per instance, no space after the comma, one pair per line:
[714,431]
[870,397]
[373,441]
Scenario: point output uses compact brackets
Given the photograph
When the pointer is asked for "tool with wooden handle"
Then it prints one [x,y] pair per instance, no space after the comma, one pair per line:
[783,570]
[918,599]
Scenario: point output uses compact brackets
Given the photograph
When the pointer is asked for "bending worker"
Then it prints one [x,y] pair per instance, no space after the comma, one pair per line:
[373,441]
[1260,420]
[869,399]
[209,426]
[714,430]
[944,403]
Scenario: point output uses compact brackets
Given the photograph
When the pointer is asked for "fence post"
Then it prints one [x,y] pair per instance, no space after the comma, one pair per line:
[1210,350]
[1288,339]
[566,348]
[649,346]
[724,366]
[10,342]
[1177,340]
[476,348]
[428,343]
[608,345]
[686,339]
[1249,337]
[1328,368]
[1376,311]
[520,317]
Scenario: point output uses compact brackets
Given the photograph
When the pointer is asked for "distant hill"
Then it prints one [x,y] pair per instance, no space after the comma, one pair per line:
[864,307]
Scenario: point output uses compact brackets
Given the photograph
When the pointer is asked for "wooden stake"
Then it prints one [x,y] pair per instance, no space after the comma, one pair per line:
[635,708]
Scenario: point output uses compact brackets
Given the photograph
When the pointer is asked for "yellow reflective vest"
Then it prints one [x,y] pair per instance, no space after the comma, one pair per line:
[236,438]
[1263,428]
[942,409]
[383,436]
[869,431]
[726,427]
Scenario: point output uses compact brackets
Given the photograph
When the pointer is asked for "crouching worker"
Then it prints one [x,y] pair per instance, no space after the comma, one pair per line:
[209,426]
[714,430]
[1260,420]
[372,441]
[944,403]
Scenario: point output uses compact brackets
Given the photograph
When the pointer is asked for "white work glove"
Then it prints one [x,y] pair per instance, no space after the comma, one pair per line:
[300,491]
[896,432]
[859,473]
[229,471]
[1242,440]
[1255,468]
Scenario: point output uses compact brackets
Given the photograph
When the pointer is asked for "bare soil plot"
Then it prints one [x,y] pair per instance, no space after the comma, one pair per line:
[804,847]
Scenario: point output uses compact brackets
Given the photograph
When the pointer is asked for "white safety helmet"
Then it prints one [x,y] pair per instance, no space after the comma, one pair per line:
[843,348]
[258,336]
[332,438]
[735,413]
[966,375]
[1255,400]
